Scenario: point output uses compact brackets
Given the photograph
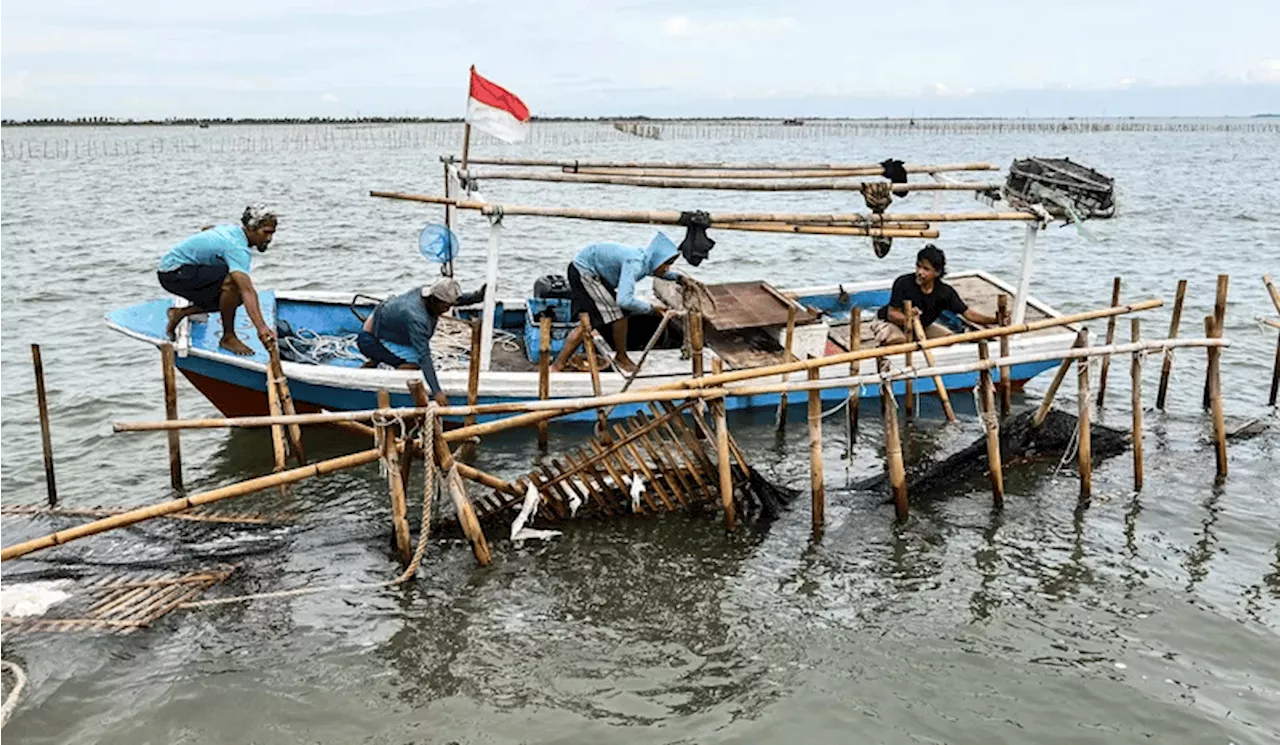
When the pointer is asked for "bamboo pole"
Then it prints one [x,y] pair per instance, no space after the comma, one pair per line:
[909,389]
[720,184]
[537,411]
[732,173]
[672,217]
[1135,374]
[854,396]
[276,370]
[1272,291]
[1082,341]
[1219,318]
[544,374]
[938,383]
[1215,397]
[780,423]
[588,344]
[722,456]
[277,430]
[1275,376]
[578,165]
[195,500]
[816,480]
[1006,381]
[467,519]
[418,390]
[1084,447]
[878,232]
[171,414]
[1111,337]
[693,323]
[473,370]
[893,451]
[395,481]
[992,425]
[1174,322]
[46,439]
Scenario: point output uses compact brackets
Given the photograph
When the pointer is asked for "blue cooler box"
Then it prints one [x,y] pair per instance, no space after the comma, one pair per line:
[561,324]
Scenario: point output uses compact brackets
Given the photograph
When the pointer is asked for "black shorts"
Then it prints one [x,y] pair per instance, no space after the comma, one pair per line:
[199,283]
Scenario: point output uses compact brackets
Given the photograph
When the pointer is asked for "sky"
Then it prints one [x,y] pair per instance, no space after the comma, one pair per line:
[299,58]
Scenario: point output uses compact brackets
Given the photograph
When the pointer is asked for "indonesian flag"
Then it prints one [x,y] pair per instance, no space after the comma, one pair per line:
[496,110]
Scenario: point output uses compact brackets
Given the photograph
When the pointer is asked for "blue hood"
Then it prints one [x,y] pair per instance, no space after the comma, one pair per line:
[660,251]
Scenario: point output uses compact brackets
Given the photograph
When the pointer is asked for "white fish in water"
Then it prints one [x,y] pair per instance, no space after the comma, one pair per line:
[637,488]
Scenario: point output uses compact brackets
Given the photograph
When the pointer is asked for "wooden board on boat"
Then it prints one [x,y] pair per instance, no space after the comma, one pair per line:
[750,305]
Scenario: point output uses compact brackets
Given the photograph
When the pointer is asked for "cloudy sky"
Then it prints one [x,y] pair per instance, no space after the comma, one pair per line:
[157,58]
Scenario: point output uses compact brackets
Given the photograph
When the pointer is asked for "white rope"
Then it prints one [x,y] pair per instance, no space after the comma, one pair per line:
[19,682]
[450,346]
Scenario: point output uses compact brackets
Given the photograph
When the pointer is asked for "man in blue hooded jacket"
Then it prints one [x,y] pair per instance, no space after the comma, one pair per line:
[602,283]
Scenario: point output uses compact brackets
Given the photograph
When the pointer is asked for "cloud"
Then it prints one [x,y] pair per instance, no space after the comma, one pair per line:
[736,29]
[1266,71]
[329,98]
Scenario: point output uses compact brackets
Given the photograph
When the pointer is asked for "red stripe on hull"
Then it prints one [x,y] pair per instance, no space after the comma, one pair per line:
[233,400]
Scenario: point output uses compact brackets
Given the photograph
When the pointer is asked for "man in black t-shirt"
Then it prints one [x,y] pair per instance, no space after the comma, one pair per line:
[929,296]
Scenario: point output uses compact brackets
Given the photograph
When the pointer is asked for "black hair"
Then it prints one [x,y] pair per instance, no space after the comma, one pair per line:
[936,258]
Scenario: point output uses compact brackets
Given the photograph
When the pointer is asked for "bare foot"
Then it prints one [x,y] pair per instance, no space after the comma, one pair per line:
[369,364]
[624,364]
[171,329]
[234,345]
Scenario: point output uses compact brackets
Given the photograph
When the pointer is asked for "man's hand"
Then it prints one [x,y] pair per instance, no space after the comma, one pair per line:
[266,336]
[441,399]
[657,309]
[682,279]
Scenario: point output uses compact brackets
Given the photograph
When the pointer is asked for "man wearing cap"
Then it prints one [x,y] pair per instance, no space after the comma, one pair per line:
[602,283]
[211,269]
[410,319]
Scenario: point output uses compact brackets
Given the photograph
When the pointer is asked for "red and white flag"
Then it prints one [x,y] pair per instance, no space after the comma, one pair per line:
[496,110]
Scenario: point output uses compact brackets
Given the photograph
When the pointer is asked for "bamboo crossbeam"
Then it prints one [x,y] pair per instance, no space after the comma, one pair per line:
[178,505]
[732,173]
[719,184]
[672,217]
[719,165]
[877,232]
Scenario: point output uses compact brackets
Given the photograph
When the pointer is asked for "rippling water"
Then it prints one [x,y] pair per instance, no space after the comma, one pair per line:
[1146,617]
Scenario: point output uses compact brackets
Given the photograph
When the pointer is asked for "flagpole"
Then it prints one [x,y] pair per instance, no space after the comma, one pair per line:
[466,132]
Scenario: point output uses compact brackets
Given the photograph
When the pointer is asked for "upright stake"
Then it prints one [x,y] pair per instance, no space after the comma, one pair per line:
[1006,382]
[1111,338]
[281,384]
[544,374]
[1082,340]
[277,430]
[395,480]
[1275,376]
[781,423]
[171,413]
[1135,373]
[589,344]
[855,369]
[816,480]
[909,406]
[1213,330]
[46,441]
[1219,317]
[693,326]
[893,450]
[722,455]
[992,424]
[473,372]
[1084,455]
[1168,353]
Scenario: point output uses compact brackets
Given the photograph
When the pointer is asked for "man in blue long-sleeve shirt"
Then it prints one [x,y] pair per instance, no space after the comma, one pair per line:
[602,282]
[410,319]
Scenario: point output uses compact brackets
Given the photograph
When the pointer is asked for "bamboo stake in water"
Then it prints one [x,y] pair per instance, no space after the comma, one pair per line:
[171,414]
[1213,329]
[1219,319]
[1135,374]
[589,346]
[781,424]
[1084,452]
[46,440]
[294,431]
[1174,322]
[722,455]
[544,374]
[1275,376]
[992,425]
[854,396]
[909,405]
[1111,337]
[1082,340]
[473,371]
[396,484]
[1006,381]
[893,450]
[693,327]
[816,480]
[277,430]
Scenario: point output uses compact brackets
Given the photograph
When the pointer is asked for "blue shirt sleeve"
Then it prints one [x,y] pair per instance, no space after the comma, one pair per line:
[632,271]
[420,335]
[237,258]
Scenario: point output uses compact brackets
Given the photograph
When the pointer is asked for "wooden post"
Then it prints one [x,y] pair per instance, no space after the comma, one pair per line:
[1219,317]
[693,326]
[473,371]
[544,374]
[1006,383]
[1111,338]
[294,431]
[938,383]
[171,413]
[277,430]
[1213,330]
[1168,353]
[816,480]
[395,480]
[1275,376]
[722,455]
[909,405]
[781,423]
[1135,374]
[992,424]
[855,368]
[893,450]
[589,344]
[1084,455]
[46,440]
[1082,340]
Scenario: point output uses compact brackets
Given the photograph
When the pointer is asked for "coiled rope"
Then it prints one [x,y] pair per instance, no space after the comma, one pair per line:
[19,682]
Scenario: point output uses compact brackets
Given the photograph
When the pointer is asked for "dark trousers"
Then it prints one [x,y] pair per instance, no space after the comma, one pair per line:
[375,350]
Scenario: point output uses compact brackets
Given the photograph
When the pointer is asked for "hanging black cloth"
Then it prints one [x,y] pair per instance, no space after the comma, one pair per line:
[895,172]
[696,245]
